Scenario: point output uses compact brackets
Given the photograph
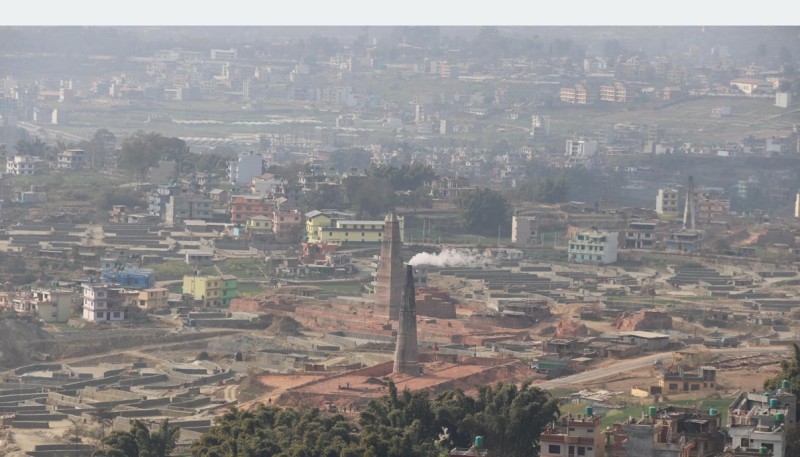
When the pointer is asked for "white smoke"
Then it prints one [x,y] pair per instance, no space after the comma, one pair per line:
[450,258]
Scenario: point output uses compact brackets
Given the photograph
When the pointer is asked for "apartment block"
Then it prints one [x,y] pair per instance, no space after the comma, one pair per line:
[284,223]
[678,380]
[154,298]
[346,232]
[667,202]
[246,167]
[685,240]
[211,290]
[760,420]
[21,165]
[574,436]
[668,431]
[524,230]
[180,208]
[593,246]
[578,95]
[580,152]
[641,235]
[47,305]
[616,92]
[72,159]
[104,303]
[245,207]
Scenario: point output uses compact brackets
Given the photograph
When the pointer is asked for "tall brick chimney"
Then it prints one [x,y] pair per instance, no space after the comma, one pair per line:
[406,353]
[390,269]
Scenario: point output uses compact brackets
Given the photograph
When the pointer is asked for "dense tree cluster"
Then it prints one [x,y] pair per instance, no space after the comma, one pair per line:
[139,441]
[142,151]
[483,211]
[375,191]
[400,424]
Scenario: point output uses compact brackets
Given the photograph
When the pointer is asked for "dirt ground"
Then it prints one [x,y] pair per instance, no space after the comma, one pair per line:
[729,380]
[16,442]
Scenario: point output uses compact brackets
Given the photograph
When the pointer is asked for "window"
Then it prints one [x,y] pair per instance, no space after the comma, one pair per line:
[695,386]
[581,450]
[589,430]
[554,449]
[673,387]
[745,443]
[116,314]
[101,315]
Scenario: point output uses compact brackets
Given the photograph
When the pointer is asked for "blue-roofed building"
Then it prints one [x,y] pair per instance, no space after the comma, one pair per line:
[125,275]
[130,278]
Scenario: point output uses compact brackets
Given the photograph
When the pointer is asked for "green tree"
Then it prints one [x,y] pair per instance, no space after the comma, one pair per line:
[142,151]
[138,154]
[483,210]
[372,198]
[404,177]
[345,160]
[551,189]
[272,431]
[420,198]
[139,441]
[511,418]
[325,197]
[33,147]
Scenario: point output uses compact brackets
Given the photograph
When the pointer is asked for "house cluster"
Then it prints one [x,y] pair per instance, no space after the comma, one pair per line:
[757,424]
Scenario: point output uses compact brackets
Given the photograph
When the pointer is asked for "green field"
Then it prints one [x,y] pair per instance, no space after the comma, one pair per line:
[341,288]
[249,289]
[689,120]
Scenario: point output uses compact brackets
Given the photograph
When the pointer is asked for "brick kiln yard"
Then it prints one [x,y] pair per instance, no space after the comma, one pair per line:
[352,389]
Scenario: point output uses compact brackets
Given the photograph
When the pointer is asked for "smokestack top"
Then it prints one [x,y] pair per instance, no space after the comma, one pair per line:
[391,217]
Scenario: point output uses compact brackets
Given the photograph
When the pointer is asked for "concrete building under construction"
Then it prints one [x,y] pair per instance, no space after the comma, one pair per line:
[390,270]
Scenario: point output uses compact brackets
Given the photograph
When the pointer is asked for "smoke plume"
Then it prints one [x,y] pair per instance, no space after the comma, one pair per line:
[450,258]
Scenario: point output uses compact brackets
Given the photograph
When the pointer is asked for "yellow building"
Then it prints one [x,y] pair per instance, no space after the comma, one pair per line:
[355,232]
[207,289]
[155,298]
[259,224]
[315,222]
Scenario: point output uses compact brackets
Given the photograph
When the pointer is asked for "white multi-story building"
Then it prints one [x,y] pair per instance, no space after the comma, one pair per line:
[72,159]
[104,303]
[757,420]
[242,170]
[224,54]
[580,152]
[540,125]
[783,99]
[667,202]
[524,230]
[593,246]
[21,165]
[797,205]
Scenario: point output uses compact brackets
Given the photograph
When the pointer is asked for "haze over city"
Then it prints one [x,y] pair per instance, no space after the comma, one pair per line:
[399,240]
